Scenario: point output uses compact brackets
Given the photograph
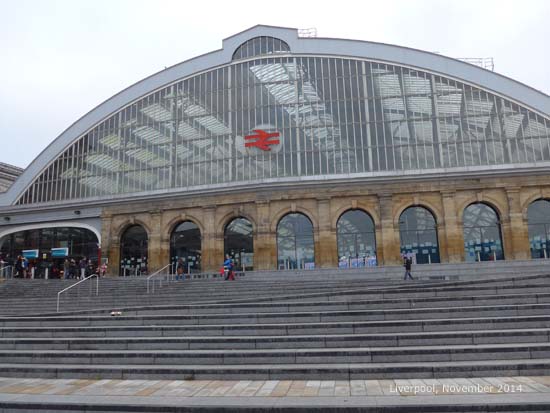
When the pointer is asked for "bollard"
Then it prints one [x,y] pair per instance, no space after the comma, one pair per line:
[46,274]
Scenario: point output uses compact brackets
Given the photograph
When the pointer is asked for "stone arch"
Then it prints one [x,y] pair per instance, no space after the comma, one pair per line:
[171,225]
[288,210]
[486,241]
[356,245]
[411,240]
[224,221]
[487,200]
[130,262]
[435,211]
[120,229]
[296,248]
[540,194]
[185,246]
[342,210]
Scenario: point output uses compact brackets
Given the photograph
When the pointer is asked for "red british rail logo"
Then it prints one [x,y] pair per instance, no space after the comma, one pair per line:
[262,139]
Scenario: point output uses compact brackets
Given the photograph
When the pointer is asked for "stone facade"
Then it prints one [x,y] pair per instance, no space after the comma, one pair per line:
[323,204]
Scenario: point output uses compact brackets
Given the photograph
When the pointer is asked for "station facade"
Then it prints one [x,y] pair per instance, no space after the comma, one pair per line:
[289,152]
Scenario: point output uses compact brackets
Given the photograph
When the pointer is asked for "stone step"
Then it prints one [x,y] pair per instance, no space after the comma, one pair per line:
[17,307]
[285,318]
[327,328]
[289,307]
[296,306]
[39,287]
[428,354]
[343,371]
[540,335]
[106,403]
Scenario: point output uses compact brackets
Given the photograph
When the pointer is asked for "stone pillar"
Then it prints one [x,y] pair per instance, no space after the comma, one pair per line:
[454,236]
[326,254]
[110,245]
[113,268]
[518,236]
[389,235]
[265,243]
[164,252]
[107,245]
[154,256]
[211,258]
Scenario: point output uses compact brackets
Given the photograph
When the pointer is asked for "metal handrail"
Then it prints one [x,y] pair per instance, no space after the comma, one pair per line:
[3,271]
[153,275]
[75,284]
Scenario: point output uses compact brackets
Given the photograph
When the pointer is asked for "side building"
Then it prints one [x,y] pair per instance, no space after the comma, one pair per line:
[8,175]
[289,152]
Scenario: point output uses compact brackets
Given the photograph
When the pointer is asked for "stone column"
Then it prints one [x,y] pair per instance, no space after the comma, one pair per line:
[110,245]
[105,244]
[164,252]
[326,254]
[211,258]
[454,236]
[389,235]
[518,236]
[265,243]
[154,257]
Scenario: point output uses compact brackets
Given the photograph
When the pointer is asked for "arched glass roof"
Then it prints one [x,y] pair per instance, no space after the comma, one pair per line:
[333,117]
[339,109]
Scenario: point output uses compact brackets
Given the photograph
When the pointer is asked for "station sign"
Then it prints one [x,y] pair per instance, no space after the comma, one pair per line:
[60,252]
[30,253]
[261,139]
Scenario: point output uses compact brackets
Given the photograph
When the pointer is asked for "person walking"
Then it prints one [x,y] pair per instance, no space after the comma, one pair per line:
[228,268]
[82,265]
[407,263]
[72,268]
[66,267]
[19,267]
[180,268]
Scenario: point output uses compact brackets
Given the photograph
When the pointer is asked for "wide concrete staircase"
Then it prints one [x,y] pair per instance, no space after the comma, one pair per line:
[493,320]
[39,296]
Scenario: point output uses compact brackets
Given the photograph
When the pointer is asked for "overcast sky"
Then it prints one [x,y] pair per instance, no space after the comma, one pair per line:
[59,59]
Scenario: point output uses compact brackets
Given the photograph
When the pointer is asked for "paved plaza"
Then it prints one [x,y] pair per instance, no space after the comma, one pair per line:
[272,393]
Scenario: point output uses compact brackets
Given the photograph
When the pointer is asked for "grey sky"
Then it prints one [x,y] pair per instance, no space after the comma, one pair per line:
[59,59]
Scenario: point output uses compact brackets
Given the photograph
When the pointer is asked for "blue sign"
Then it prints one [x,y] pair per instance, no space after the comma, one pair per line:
[60,252]
[30,253]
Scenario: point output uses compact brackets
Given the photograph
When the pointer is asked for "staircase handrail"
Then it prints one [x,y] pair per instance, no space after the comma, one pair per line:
[154,275]
[3,271]
[77,283]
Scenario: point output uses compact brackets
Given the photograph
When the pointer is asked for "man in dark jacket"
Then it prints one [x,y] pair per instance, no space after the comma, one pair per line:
[407,263]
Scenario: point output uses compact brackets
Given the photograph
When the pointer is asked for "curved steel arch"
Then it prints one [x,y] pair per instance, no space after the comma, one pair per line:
[70,224]
[408,57]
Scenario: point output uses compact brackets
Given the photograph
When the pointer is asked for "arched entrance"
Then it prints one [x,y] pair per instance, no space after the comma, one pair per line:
[186,243]
[418,234]
[538,224]
[356,239]
[239,243]
[133,251]
[482,234]
[47,248]
[295,246]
